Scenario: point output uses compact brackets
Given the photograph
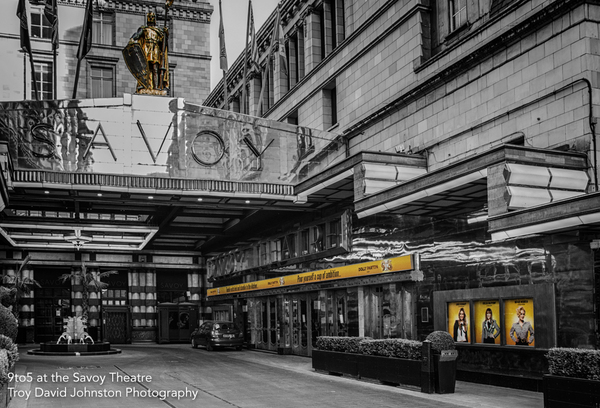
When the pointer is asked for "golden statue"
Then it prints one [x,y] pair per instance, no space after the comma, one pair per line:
[152,40]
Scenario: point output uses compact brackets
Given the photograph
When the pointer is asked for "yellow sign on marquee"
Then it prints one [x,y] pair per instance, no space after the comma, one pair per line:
[403,263]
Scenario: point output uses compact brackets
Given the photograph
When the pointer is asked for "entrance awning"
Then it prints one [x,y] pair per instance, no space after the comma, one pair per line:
[477,183]
[569,214]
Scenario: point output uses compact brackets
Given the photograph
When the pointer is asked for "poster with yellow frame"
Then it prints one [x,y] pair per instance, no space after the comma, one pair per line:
[519,322]
[487,325]
[458,321]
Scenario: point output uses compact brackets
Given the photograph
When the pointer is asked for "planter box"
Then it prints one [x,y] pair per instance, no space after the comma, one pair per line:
[390,369]
[568,392]
[386,369]
[335,362]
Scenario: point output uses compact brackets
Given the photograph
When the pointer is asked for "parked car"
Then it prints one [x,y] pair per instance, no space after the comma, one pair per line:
[217,333]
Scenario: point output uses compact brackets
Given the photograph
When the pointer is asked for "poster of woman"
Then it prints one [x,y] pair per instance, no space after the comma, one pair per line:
[487,328]
[458,321]
[519,322]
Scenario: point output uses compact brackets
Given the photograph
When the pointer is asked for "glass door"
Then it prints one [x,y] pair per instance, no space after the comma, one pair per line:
[374,312]
[267,323]
[300,324]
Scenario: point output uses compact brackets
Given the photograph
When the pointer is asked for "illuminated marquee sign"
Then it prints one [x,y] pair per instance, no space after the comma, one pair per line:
[403,263]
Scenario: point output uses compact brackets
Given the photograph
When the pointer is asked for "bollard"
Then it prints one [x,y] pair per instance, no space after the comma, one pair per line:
[427,369]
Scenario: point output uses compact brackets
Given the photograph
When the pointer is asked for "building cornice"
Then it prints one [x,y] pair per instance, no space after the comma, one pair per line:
[190,10]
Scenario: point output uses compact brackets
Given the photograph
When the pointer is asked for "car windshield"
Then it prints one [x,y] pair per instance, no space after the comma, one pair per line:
[224,326]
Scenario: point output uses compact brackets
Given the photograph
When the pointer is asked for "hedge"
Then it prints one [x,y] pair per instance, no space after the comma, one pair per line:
[341,344]
[399,348]
[575,363]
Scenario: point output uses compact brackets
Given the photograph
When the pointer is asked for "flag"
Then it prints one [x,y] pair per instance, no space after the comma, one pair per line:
[26,43]
[85,42]
[279,43]
[22,14]
[51,13]
[223,50]
[252,33]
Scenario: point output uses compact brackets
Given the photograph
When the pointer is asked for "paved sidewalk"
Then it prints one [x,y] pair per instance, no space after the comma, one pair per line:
[466,393]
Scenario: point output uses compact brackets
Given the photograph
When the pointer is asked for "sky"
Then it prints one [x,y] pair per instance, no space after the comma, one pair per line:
[235,18]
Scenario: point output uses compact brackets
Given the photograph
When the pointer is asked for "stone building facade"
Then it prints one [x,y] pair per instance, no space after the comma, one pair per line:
[480,119]
[103,73]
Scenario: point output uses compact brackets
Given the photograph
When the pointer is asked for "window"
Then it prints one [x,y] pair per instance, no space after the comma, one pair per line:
[43,77]
[113,297]
[334,233]
[332,25]
[275,251]
[330,114]
[288,246]
[458,13]
[498,5]
[102,30]
[295,58]
[40,27]
[102,82]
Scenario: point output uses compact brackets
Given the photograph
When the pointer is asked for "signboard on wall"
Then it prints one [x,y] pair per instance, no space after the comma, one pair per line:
[399,264]
[519,322]
[487,325]
[459,314]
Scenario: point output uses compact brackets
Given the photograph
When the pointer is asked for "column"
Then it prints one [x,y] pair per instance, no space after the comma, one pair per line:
[312,39]
[26,306]
[195,286]
[300,48]
[76,292]
[134,297]
[254,84]
[293,59]
[94,303]
[150,301]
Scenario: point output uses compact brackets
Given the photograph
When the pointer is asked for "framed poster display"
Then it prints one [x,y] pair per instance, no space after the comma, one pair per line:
[487,323]
[519,322]
[458,321]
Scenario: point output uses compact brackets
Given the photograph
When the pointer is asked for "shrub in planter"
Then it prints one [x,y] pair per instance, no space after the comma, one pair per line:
[8,323]
[574,363]
[398,348]
[4,366]
[441,340]
[11,348]
[340,344]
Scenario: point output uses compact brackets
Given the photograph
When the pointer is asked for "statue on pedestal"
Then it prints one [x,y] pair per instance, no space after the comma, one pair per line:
[146,56]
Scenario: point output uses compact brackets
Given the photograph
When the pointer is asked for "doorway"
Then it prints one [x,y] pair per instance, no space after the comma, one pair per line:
[299,312]
[116,324]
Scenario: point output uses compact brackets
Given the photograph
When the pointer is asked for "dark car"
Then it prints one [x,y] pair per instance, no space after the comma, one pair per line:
[217,333]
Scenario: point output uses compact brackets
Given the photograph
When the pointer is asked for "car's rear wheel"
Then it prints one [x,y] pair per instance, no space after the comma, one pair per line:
[239,348]
[194,345]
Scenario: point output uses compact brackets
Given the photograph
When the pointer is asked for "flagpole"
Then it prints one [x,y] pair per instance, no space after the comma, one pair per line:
[244,104]
[274,37]
[24,77]
[54,48]
[26,46]
[55,75]
[35,85]
[225,96]
[76,79]
[51,13]
[83,44]
[223,56]
[265,78]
